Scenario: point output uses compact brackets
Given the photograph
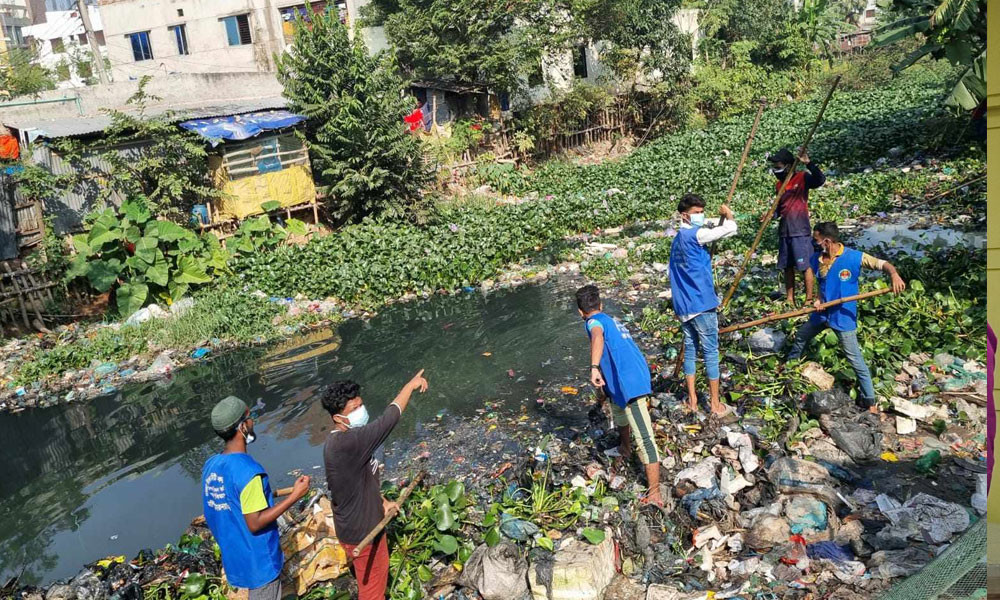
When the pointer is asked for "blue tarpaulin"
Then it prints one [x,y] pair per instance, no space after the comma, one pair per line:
[241,127]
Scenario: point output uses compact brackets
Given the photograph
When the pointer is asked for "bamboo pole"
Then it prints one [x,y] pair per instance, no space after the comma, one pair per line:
[388,517]
[948,191]
[777,199]
[729,197]
[803,311]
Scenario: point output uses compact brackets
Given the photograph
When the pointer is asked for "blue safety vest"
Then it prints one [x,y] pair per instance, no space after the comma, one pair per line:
[251,560]
[839,282]
[624,368]
[691,282]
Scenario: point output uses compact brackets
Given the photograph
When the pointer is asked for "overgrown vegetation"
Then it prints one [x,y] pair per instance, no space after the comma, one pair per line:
[368,163]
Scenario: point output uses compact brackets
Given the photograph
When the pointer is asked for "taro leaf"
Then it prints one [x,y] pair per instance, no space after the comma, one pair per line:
[546,542]
[916,285]
[270,205]
[295,227]
[159,272]
[80,244]
[130,297]
[424,573]
[455,490]
[77,267]
[492,537]
[103,273]
[189,244]
[594,536]
[145,249]
[133,234]
[176,290]
[167,231]
[193,584]
[443,517]
[446,544]
[191,270]
[135,211]
[101,234]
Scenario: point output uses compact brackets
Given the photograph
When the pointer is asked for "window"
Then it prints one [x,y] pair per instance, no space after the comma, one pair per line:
[84,70]
[290,14]
[14,35]
[57,46]
[62,71]
[180,36]
[100,38]
[238,30]
[82,38]
[580,62]
[180,12]
[870,13]
[141,50]
[535,77]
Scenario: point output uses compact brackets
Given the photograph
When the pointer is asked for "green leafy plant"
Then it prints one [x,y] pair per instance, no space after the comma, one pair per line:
[361,153]
[429,525]
[142,259]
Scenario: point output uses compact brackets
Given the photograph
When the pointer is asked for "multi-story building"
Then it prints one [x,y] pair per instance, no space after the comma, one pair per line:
[15,15]
[145,37]
[61,45]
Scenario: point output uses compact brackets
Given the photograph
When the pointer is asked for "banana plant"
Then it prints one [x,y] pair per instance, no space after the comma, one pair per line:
[141,259]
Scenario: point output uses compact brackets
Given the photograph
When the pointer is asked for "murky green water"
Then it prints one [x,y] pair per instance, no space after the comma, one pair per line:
[119,474]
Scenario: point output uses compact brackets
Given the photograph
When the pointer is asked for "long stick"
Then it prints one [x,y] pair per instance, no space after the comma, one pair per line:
[729,198]
[388,516]
[949,191]
[777,198]
[803,311]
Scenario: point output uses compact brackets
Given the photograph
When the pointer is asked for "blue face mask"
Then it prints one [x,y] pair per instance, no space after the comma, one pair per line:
[698,219]
[358,417]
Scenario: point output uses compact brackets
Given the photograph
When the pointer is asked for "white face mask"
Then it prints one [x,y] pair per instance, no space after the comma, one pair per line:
[250,436]
[697,219]
[357,417]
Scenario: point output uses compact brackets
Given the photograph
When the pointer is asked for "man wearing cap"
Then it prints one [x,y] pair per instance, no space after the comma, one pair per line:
[795,244]
[239,506]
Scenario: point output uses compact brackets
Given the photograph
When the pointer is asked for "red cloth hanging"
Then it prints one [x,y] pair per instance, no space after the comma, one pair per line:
[9,148]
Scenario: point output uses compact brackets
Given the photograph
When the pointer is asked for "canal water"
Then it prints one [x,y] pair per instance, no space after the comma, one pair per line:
[117,474]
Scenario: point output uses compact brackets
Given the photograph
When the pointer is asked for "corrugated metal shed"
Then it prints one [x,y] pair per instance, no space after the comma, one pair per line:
[67,212]
[89,125]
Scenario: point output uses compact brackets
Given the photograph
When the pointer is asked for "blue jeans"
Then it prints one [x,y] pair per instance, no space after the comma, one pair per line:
[849,344]
[702,334]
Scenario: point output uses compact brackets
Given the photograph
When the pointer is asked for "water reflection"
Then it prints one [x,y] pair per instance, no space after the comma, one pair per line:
[117,474]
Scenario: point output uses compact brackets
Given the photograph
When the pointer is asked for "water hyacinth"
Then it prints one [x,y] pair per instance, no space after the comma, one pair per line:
[453,227]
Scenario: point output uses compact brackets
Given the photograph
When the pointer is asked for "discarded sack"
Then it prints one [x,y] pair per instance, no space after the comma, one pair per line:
[860,438]
[579,571]
[498,573]
[826,402]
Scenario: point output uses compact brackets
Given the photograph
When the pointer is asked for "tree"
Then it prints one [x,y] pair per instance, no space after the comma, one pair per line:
[355,106]
[821,22]
[21,75]
[951,29]
[469,41]
[146,156]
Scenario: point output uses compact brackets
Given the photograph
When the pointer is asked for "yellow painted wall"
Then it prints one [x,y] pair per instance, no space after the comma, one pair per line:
[993,240]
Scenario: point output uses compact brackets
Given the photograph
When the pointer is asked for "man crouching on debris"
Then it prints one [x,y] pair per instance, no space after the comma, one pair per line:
[618,367]
[838,269]
[692,287]
[239,507]
[358,506]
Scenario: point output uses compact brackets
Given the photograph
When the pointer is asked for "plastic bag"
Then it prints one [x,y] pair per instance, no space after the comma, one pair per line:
[826,402]
[498,573]
[861,438]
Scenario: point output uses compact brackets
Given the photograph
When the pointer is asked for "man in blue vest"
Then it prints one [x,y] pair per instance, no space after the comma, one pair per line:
[239,506]
[838,270]
[693,292]
[619,369]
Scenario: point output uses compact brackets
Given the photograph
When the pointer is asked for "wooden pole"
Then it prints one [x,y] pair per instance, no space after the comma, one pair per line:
[729,197]
[777,199]
[803,311]
[948,191]
[388,517]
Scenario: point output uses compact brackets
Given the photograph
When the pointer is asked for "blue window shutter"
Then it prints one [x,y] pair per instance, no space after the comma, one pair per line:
[232,31]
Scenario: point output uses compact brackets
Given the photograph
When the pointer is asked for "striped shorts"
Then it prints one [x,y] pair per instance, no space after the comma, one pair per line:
[636,416]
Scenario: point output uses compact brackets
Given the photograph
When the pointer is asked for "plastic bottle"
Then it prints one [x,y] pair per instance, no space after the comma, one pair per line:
[928,462]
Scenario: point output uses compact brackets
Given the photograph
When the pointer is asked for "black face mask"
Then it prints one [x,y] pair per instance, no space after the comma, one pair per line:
[779,174]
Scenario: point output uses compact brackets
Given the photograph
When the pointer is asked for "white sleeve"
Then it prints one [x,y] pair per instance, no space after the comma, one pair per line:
[707,236]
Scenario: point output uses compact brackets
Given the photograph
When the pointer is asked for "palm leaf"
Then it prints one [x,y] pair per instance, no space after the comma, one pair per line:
[970,89]
[902,29]
[958,14]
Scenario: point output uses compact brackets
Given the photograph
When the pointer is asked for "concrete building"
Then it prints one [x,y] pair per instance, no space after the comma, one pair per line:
[62,46]
[146,37]
[15,15]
